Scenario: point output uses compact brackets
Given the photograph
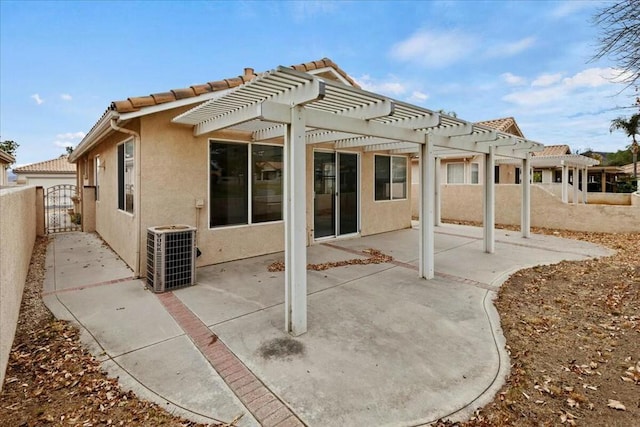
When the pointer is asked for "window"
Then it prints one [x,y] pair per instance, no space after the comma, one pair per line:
[125,176]
[455,173]
[390,177]
[96,180]
[238,170]
[475,179]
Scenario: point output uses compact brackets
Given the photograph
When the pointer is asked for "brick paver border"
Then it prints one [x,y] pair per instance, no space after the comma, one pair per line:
[265,406]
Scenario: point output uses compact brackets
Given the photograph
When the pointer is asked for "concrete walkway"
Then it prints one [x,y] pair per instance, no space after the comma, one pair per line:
[383,347]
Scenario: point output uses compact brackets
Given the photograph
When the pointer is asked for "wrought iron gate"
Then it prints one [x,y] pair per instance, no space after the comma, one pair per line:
[59,209]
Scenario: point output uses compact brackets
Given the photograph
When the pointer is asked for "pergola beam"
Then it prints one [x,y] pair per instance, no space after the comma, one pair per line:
[390,146]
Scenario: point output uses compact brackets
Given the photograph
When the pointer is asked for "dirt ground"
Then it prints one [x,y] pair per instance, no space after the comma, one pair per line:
[572,330]
[52,380]
[573,335]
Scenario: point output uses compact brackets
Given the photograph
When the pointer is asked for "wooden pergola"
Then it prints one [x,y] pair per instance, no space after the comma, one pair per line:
[307,109]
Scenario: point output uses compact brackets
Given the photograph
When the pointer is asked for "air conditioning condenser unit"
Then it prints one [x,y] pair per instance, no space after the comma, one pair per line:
[171,257]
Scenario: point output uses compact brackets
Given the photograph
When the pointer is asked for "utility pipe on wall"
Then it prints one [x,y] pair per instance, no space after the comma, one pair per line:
[137,207]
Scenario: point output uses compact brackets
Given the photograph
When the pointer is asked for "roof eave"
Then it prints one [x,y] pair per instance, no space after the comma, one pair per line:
[95,135]
[8,158]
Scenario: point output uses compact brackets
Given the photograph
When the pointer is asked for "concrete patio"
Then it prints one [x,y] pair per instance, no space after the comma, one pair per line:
[383,347]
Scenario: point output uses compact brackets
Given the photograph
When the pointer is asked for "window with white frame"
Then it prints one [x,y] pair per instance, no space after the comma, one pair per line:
[390,177]
[126,176]
[245,183]
[96,179]
[455,173]
[475,178]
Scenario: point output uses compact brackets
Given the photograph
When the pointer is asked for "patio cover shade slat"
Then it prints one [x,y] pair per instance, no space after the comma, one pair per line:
[326,99]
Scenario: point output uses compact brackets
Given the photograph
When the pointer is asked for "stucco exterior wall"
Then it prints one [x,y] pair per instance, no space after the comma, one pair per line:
[464,202]
[174,168]
[381,216]
[4,173]
[45,180]
[598,198]
[116,227]
[17,236]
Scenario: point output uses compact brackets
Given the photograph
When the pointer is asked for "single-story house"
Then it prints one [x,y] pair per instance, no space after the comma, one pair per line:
[6,160]
[46,174]
[274,161]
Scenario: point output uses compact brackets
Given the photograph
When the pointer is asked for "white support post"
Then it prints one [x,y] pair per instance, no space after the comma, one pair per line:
[585,184]
[437,215]
[489,202]
[427,198]
[565,183]
[525,221]
[576,177]
[295,225]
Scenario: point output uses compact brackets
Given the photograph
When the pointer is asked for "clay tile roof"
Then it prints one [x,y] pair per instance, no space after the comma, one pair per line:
[553,150]
[502,125]
[59,165]
[136,103]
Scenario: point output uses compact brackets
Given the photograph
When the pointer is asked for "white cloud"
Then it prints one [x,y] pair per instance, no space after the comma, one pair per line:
[71,135]
[593,77]
[569,7]
[417,96]
[513,80]
[546,79]
[530,98]
[391,87]
[63,144]
[66,97]
[431,49]
[553,87]
[68,139]
[510,49]
[36,97]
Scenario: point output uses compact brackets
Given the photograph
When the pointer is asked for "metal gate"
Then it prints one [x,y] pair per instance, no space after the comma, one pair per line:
[59,209]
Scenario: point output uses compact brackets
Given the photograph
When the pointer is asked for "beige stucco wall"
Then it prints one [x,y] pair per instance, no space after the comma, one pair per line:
[598,198]
[174,169]
[116,227]
[17,236]
[45,180]
[464,202]
[88,209]
[4,173]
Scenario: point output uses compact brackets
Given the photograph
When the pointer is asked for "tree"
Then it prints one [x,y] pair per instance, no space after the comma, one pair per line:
[631,127]
[620,30]
[9,147]
[69,149]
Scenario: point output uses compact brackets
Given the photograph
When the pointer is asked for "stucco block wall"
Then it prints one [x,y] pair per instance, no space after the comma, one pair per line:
[464,202]
[17,237]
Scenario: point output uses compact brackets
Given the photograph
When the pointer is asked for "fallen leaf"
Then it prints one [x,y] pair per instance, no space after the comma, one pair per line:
[616,405]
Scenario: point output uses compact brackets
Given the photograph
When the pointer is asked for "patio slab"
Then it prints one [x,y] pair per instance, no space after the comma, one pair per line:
[384,347]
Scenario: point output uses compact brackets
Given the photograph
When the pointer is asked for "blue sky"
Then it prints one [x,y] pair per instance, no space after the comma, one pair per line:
[62,63]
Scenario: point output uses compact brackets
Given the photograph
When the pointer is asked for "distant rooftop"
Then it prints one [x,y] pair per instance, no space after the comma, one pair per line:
[59,165]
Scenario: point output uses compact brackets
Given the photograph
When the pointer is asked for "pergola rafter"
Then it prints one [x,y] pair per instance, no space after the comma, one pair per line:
[307,109]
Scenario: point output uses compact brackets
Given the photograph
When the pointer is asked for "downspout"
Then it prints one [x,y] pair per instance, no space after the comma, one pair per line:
[138,214]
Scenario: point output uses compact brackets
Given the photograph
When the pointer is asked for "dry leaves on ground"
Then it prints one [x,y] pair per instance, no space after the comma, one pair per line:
[573,335]
[51,379]
[374,256]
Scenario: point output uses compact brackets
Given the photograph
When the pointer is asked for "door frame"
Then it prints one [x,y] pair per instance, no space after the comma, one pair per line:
[336,218]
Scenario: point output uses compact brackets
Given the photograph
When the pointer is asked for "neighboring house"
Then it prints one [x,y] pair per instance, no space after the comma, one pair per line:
[48,173]
[200,156]
[6,160]
[468,168]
